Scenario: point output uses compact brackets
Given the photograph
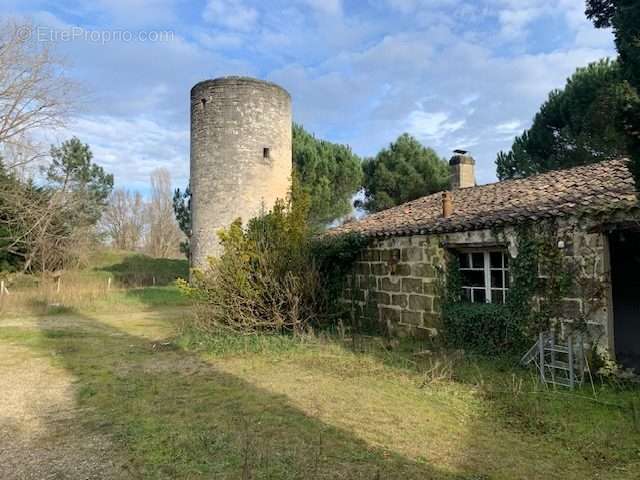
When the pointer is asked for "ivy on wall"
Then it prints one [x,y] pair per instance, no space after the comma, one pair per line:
[334,257]
[540,277]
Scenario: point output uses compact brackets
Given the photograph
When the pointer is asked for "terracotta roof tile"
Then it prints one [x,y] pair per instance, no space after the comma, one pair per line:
[597,188]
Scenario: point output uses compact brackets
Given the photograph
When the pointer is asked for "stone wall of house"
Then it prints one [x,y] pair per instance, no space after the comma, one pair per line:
[396,281]
[589,297]
[395,285]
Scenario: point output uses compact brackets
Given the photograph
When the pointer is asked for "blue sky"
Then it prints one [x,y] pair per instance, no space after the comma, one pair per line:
[454,73]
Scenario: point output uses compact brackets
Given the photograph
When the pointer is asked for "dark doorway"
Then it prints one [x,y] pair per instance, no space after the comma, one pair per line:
[625,275]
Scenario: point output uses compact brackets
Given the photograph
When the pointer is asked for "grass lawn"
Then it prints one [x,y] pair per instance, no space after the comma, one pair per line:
[113,281]
[107,383]
[261,407]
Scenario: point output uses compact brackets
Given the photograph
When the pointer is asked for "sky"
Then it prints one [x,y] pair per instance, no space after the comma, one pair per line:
[454,73]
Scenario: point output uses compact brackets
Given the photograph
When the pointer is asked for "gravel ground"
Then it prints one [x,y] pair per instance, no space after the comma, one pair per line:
[41,431]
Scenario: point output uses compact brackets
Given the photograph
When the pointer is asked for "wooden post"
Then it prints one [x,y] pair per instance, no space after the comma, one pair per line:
[3,289]
[154,281]
[58,284]
[109,284]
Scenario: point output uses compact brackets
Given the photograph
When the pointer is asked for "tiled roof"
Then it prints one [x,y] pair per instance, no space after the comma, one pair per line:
[599,188]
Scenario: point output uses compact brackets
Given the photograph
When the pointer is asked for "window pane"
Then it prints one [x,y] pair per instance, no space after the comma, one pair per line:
[478,259]
[506,279]
[472,278]
[496,278]
[497,296]
[479,295]
[496,259]
[506,260]
[464,260]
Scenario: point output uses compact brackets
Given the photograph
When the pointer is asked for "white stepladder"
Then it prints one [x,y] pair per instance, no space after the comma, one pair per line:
[560,362]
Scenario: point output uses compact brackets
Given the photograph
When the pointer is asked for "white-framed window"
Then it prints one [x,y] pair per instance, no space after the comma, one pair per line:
[484,275]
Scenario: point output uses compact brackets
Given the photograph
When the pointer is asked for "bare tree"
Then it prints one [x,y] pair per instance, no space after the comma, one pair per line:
[123,219]
[46,224]
[163,235]
[35,93]
[35,96]
[33,225]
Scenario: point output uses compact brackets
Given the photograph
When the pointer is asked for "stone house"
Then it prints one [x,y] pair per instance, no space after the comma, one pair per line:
[594,208]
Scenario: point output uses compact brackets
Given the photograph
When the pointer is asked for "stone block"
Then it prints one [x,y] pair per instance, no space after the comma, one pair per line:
[379,269]
[419,240]
[570,308]
[401,241]
[389,315]
[381,298]
[402,270]
[412,318]
[436,304]
[389,284]
[404,330]
[374,255]
[423,270]
[412,285]
[429,288]
[399,300]
[412,254]
[426,333]
[431,320]
[389,254]
[421,303]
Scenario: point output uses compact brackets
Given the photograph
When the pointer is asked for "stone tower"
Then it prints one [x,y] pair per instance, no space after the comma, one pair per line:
[240,155]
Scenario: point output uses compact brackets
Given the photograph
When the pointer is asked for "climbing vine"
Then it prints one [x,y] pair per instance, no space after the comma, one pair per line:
[541,277]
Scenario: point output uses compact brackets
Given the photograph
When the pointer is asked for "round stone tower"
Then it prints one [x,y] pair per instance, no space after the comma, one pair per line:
[240,155]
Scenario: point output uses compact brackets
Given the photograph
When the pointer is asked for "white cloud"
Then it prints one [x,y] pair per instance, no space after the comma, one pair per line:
[219,40]
[127,12]
[233,14]
[330,7]
[433,126]
[469,99]
[457,73]
[132,148]
[508,128]
[514,22]
[410,6]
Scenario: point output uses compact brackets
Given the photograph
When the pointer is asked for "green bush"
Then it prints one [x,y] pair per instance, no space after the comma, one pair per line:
[274,274]
[265,280]
[487,329]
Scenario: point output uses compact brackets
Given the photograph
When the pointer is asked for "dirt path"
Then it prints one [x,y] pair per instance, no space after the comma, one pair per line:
[41,432]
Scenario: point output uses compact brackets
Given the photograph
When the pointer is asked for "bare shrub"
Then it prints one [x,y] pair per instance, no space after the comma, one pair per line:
[439,366]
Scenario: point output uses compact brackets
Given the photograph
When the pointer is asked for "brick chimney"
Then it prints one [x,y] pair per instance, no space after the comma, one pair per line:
[447,204]
[462,167]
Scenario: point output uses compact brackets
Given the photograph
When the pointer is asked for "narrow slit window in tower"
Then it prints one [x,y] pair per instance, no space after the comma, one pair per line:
[266,153]
[204,103]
